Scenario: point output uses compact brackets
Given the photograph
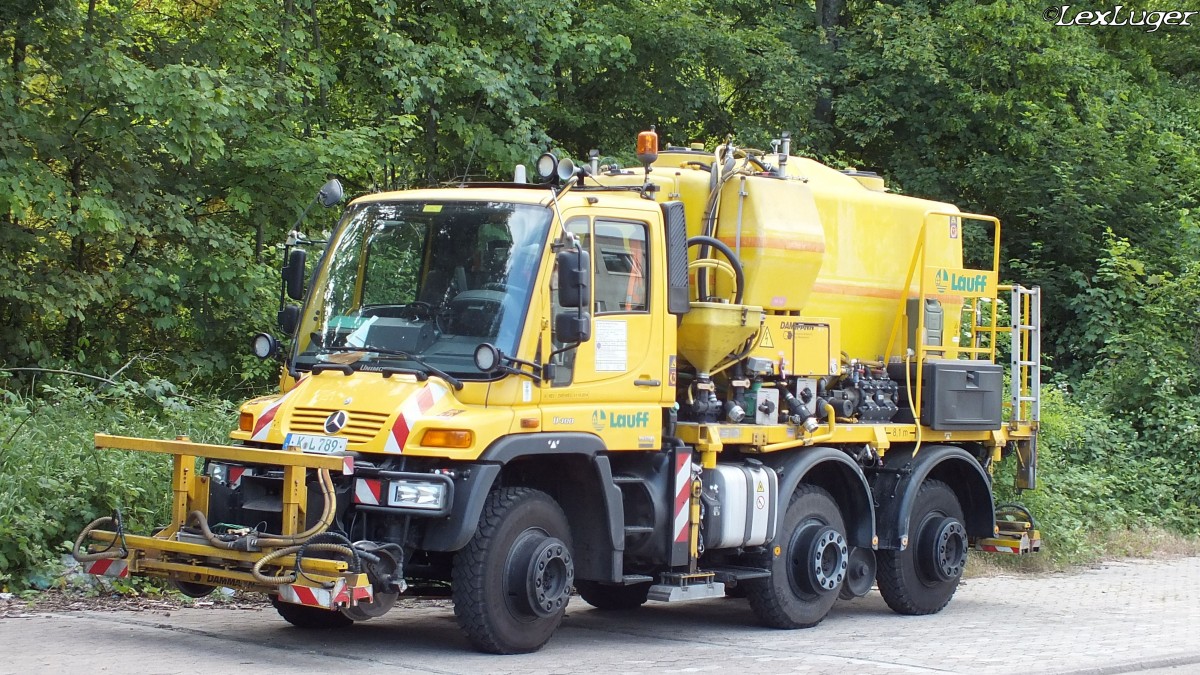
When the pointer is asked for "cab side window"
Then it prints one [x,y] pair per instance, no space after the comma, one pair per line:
[620,253]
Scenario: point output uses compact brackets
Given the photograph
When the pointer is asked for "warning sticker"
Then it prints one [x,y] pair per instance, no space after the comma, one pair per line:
[766,338]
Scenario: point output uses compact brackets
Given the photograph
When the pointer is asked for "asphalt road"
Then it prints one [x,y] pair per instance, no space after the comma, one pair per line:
[1129,616]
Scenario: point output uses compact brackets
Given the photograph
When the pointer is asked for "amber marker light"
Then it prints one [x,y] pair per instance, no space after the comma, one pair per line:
[647,146]
[246,422]
[447,438]
[529,423]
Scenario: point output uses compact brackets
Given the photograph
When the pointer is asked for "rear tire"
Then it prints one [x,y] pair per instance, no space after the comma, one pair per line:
[807,561]
[512,582]
[310,618]
[612,596]
[922,578]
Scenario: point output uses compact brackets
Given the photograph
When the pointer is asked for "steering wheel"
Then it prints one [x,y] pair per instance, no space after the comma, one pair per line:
[495,286]
[419,310]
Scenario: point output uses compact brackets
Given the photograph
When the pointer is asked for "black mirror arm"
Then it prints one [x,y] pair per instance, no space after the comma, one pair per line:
[565,348]
[537,369]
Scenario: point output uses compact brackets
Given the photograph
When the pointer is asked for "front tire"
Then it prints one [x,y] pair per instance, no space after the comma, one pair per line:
[807,562]
[511,583]
[310,618]
[922,578]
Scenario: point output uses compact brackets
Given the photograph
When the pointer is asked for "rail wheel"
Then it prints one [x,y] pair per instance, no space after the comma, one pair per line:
[311,618]
[808,562]
[511,583]
[922,578]
[610,596]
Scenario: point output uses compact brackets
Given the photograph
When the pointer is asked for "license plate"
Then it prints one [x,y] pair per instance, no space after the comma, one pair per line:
[322,445]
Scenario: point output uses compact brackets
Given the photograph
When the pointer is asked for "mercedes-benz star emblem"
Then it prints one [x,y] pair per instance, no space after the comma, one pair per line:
[336,421]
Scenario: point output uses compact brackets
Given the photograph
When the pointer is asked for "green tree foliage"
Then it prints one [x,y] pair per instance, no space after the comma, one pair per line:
[132,161]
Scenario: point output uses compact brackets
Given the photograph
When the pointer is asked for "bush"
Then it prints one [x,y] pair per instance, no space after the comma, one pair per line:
[55,481]
[1099,477]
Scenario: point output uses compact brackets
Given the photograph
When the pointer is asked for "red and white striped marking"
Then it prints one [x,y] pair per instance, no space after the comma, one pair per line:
[262,426]
[352,596]
[326,598]
[307,595]
[413,408]
[683,492]
[235,474]
[348,465]
[109,568]
[367,491]
[999,549]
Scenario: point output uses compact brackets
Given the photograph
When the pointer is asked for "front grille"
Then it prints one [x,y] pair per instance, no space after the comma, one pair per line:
[361,428]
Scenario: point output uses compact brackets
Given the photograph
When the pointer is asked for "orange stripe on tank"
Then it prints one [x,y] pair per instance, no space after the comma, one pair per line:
[776,243]
[867,292]
[862,291]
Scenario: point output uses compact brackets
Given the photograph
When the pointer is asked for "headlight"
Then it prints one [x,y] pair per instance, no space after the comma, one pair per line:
[414,495]
[264,345]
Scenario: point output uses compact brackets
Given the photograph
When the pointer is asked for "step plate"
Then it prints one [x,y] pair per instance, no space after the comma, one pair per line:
[674,593]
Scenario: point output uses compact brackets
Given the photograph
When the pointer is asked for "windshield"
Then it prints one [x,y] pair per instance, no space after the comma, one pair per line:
[409,282]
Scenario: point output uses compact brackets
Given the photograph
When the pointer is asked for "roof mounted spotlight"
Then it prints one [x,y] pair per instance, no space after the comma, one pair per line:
[547,166]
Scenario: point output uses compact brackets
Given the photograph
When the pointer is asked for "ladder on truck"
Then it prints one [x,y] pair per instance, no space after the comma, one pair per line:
[1026,356]
[1026,406]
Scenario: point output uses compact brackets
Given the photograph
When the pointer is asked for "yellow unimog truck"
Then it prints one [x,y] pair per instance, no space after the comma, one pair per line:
[724,372]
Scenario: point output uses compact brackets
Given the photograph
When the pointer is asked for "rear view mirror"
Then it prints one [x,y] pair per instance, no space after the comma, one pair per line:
[331,193]
[574,279]
[289,319]
[293,273]
[572,327]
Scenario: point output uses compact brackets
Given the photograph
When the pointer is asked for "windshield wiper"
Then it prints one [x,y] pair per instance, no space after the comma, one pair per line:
[453,381]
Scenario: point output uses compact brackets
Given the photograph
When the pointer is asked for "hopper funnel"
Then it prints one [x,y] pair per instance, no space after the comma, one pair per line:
[711,330]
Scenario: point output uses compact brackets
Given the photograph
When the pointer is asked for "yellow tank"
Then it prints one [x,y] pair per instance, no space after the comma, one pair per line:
[819,243]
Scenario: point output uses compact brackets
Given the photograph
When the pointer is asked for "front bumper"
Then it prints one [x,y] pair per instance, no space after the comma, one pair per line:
[174,554]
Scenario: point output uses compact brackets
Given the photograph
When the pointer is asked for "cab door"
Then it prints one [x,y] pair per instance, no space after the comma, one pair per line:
[616,384]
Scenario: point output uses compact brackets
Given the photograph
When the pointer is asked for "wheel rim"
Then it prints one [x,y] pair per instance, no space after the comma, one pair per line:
[819,559]
[943,548]
[539,576]
[381,604]
[860,572]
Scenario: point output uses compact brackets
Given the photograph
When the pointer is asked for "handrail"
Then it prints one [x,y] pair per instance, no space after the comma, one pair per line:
[971,297]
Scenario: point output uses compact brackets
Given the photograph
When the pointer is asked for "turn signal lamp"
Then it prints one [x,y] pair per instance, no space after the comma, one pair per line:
[447,438]
[647,146]
[246,422]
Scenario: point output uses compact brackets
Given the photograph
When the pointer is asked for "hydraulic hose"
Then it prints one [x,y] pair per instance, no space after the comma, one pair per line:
[268,539]
[739,276]
[110,553]
[284,552]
